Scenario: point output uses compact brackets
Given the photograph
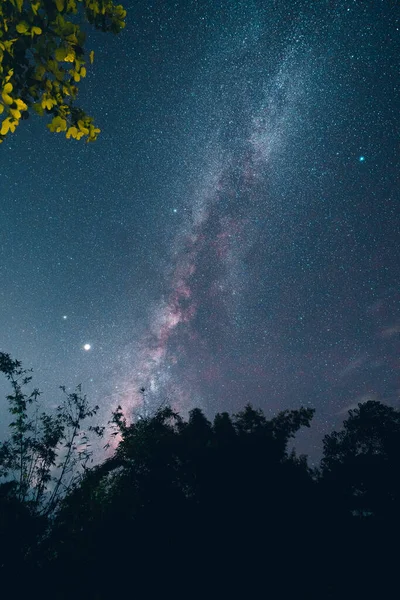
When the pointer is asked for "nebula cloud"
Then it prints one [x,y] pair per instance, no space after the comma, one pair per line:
[207,272]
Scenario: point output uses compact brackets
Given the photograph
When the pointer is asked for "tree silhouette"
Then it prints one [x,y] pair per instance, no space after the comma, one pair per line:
[44,451]
[190,493]
[360,492]
[189,506]
[360,460]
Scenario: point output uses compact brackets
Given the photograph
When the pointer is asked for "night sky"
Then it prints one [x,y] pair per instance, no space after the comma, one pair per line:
[233,235]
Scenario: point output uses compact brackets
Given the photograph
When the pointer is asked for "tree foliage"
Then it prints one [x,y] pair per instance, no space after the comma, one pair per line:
[45,452]
[43,58]
[359,461]
[198,507]
[179,490]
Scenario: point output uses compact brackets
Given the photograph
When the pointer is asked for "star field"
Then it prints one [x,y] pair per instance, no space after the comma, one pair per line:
[233,235]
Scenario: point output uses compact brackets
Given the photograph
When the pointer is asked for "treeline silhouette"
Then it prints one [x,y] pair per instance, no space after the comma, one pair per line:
[194,508]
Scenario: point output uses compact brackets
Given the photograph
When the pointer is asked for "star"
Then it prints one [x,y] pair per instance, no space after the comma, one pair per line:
[362,158]
[87,347]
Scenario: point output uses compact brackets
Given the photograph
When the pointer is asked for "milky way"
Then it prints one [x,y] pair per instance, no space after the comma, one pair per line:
[224,216]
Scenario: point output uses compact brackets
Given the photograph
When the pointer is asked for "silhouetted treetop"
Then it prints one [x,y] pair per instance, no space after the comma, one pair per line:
[359,461]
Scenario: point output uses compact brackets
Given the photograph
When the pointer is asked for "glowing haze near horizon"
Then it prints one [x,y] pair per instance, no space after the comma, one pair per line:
[233,236]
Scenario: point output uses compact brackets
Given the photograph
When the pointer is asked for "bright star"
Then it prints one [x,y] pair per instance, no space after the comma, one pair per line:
[65,317]
[87,347]
[175,210]
[362,158]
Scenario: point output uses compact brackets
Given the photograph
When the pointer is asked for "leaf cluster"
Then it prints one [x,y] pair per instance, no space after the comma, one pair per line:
[43,58]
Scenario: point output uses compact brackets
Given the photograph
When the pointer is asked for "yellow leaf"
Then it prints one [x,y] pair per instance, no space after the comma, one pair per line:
[7,99]
[8,45]
[35,7]
[60,5]
[72,39]
[72,132]
[47,102]
[36,31]
[22,27]
[82,127]
[120,11]
[91,56]
[83,72]
[7,88]
[60,54]
[1,108]
[70,57]
[93,133]
[21,104]
[58,124]
[15,113]
[8,125]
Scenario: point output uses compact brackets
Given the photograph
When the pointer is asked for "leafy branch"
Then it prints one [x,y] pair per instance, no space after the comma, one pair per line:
[43,58]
